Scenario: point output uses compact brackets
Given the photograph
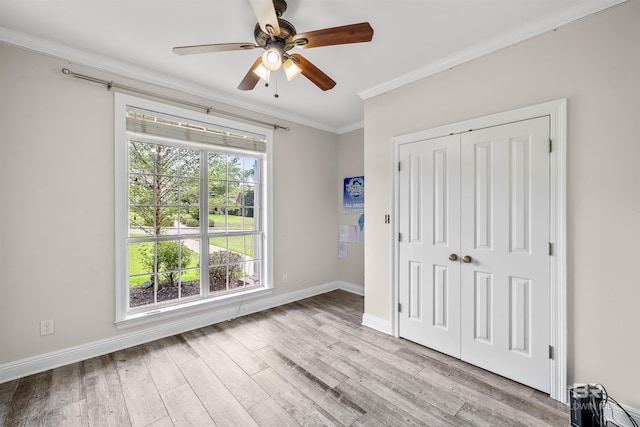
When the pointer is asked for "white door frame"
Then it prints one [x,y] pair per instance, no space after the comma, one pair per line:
[557,112]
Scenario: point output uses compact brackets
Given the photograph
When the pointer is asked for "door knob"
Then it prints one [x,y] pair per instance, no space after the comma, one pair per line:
[467,259]
[453,257]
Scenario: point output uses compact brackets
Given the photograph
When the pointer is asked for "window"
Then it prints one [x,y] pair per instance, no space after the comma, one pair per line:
[191,211]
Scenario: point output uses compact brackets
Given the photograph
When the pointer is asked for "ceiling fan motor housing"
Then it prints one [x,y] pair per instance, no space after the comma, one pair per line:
[287,32]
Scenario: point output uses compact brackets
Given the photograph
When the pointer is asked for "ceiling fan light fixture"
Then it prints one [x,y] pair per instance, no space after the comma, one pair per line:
[272,59]
[291,69]
[262,72]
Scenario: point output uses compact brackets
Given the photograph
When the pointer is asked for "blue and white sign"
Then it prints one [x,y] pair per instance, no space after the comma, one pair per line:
[353,200]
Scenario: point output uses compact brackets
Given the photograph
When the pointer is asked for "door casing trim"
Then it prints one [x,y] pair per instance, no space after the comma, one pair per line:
[556,110]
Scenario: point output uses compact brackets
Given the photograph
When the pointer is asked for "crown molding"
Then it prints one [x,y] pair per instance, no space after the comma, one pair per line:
[145,75]
[550,22]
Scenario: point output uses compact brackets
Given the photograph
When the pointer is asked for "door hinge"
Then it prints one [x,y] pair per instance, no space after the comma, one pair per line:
[399,308]
[399,237]
[551,352]
[398,166]
[550,248]
[550,145]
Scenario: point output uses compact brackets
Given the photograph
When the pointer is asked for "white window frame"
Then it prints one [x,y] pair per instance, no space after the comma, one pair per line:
[123,317]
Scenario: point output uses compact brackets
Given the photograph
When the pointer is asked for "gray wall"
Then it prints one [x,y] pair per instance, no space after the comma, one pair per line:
[595,63]
[57,205]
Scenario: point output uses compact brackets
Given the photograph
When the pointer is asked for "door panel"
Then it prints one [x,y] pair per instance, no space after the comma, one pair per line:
[485,195]
[505,230]
[429,212]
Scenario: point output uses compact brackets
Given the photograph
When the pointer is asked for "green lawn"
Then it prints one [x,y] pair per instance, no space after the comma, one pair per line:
[235,245]
[234,221]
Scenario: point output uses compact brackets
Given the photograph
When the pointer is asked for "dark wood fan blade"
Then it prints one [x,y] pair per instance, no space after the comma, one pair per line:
[266,14]
[355,33]
[209,48]
[314,74]
[251,79]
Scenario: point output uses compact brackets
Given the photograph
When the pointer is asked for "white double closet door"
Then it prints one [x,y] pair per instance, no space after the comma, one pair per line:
[474,250]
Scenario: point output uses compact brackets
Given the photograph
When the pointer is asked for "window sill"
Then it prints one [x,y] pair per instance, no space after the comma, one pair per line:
[169,312]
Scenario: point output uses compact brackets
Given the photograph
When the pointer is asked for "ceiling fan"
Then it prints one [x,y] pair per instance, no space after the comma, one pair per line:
[277,37]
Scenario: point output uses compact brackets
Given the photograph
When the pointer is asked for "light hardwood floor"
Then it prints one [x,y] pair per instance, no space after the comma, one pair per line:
[307,363]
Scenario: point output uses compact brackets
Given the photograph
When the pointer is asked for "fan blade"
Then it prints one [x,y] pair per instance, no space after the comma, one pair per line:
[314,74]
[251,79]
[354,33]
[209,48]
[266,14]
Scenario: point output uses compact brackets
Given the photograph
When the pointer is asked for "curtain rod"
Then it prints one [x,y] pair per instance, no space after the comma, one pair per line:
[111,84]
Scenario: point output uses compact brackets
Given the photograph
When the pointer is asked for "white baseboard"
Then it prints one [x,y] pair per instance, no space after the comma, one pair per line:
[377,324]
[616,415]
[44,362]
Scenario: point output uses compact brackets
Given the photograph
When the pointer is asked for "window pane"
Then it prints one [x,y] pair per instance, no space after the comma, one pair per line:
[190,283]
[218,258]
[165,219]
[217,193]
[141,220]
[167,160]
[218,218]
[189,163]
[217,166]
[140,189]
[251,172]
[251,274]
[141,261]
[234,168]
[237,247]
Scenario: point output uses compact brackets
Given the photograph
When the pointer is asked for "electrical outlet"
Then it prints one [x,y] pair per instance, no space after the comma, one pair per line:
[284,278]
[46,327]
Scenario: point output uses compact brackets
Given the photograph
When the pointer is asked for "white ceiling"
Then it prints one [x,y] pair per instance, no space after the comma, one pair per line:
[412,39]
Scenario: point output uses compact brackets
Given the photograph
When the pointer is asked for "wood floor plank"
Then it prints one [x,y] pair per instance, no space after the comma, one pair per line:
[30,398]
[316,360]
[67,416]
[361,345]
[179,349]
[386,389]
[165,373]
[99,365]
[105,404]
[270,414]
[426,356]
[236,351]
[305,411]
[242,330]
[185,408]
[302,325]
[486,417]
[375,406]
[286,339]
[67,385]
[241,385]
[143,400]
[340,408]
[491,399]
[6,396]
[222,406]
[165,422]
[357,365]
